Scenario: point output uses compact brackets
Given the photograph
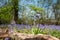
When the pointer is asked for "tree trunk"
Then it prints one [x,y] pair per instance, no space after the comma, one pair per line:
[15,7]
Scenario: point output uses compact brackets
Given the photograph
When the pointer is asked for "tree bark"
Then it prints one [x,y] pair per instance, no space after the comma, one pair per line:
[15,7]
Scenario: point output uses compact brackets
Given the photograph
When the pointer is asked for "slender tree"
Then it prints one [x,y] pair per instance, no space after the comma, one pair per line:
[15,8]
[56,8]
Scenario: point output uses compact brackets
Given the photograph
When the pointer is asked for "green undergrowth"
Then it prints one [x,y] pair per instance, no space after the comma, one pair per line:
[36,30]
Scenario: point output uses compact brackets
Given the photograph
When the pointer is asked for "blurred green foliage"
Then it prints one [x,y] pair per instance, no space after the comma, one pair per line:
[6,14]
[37,9]
[35,30]
[55,33]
